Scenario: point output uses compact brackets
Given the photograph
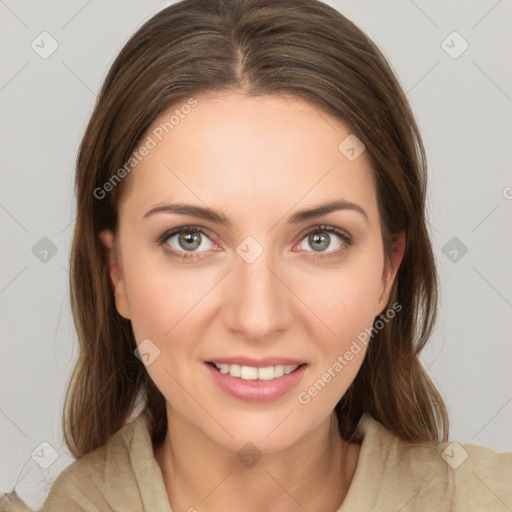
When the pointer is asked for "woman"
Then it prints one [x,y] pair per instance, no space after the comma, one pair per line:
[252,280]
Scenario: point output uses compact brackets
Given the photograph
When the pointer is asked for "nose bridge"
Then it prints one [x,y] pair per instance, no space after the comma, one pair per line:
[259,305]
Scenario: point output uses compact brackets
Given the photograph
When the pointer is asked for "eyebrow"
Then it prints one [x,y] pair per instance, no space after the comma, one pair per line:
[219,218]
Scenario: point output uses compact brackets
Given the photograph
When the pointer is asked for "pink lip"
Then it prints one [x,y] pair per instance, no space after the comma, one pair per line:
[256,390]
[257,363]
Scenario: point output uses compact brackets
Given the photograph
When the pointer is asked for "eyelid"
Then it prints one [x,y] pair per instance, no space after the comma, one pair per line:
[190,227]
[321,228]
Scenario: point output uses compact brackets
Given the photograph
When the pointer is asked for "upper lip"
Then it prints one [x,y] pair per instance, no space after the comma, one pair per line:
[257,363]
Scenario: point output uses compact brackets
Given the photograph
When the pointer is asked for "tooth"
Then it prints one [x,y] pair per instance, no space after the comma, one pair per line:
[223,368]
[234,370]
[279,370]
[248,373]
[253,373]
[266,373]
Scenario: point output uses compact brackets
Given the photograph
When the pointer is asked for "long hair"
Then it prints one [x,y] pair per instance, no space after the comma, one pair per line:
[299,48]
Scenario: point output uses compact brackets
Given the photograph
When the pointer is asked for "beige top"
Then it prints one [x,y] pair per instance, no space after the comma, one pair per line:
[391,475]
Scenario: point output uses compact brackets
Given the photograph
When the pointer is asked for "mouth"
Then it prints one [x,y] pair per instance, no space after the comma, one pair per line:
[258,373]
[256,383]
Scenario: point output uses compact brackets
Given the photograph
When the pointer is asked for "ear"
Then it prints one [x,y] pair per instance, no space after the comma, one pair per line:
[390,271]
[115,272]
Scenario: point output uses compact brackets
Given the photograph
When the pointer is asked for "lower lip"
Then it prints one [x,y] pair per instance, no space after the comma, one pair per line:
[257,390]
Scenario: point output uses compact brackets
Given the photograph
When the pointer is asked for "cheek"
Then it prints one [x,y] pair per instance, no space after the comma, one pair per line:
[152,306]
[164,307]
[347,314]
[160,295]
[344,298]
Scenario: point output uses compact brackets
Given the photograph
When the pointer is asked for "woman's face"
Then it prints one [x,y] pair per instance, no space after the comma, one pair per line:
[262,288]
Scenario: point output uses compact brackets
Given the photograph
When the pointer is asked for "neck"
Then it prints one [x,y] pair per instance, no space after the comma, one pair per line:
[313,474]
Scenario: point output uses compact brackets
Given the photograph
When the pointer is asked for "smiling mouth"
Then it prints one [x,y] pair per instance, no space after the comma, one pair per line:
[255,373]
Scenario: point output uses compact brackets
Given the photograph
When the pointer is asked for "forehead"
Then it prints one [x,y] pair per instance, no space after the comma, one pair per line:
[252,151]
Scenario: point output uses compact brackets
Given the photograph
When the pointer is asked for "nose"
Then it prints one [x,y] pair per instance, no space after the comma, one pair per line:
[258,304]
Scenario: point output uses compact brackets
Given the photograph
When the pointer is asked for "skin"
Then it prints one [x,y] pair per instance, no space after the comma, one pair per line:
[257,160]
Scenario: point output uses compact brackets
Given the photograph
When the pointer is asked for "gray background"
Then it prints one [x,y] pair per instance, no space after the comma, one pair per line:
[462,106]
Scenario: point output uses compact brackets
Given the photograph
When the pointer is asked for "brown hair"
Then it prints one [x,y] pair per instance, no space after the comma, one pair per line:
[299,48]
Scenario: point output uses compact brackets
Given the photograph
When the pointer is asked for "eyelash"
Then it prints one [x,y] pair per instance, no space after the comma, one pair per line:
[343,235]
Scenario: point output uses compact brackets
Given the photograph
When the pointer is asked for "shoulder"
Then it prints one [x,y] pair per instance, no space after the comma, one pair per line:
[11,502]
[89,482]
[482,477]
[447,476]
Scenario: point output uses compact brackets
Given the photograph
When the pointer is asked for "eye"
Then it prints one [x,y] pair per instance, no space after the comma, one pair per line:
[185,242]
[189,242]
[326,241]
